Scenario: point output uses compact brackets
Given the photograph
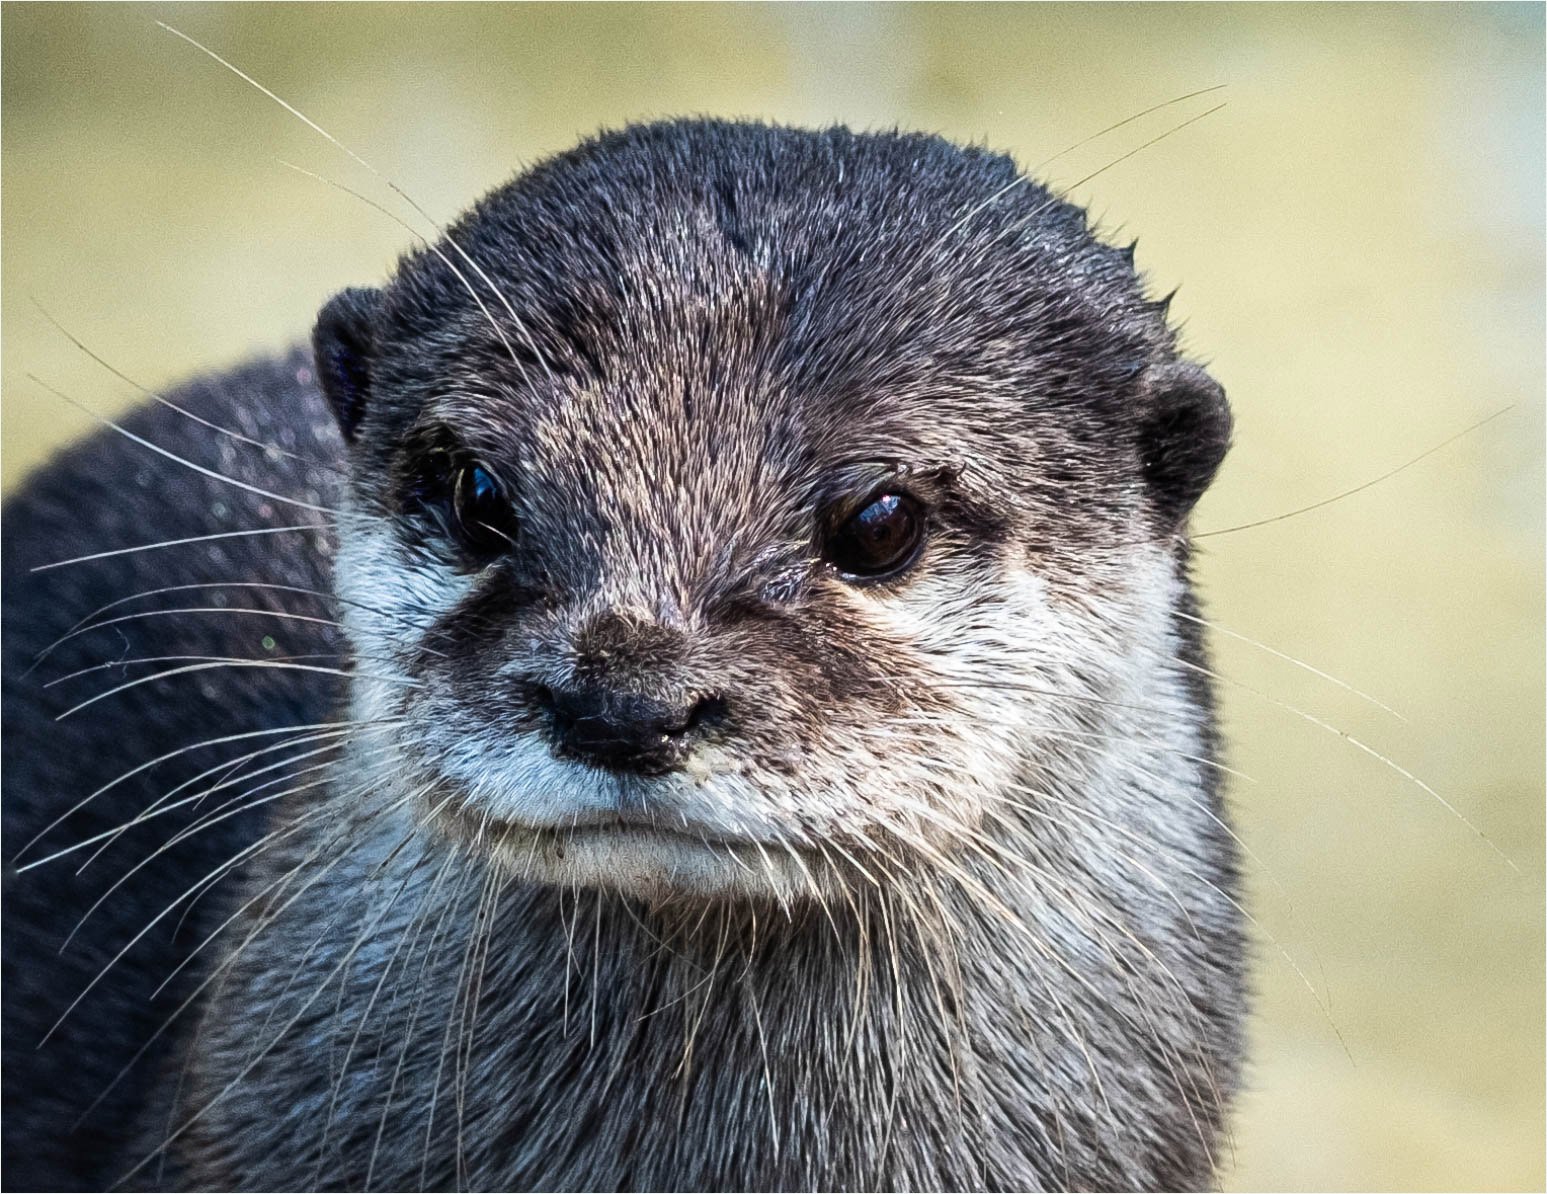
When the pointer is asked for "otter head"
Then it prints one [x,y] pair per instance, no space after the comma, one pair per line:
[740,509]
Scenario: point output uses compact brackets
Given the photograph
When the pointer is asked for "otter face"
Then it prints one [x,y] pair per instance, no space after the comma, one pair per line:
[767,532]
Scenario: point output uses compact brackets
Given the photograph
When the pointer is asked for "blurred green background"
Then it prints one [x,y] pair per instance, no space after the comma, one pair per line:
[1359,240]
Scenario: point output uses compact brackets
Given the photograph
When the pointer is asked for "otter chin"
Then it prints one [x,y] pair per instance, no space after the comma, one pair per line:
[735,715]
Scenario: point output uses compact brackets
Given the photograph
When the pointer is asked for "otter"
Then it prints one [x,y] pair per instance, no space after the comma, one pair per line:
[693,684]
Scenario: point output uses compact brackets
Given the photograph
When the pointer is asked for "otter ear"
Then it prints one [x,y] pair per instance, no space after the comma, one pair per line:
[1183,437]
[343,341]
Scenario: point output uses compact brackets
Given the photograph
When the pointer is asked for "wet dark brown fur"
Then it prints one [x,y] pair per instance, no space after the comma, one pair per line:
[940,898]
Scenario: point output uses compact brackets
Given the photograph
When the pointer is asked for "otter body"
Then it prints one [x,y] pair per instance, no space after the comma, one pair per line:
[103,494]
[757,739]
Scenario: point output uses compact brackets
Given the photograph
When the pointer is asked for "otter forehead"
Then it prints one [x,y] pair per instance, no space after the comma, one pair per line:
[708,255]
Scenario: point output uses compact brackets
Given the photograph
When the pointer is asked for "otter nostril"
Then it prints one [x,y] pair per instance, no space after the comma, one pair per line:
[707,711]
[545,701]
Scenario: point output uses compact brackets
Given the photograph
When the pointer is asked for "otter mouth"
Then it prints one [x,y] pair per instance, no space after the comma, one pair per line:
[637,855]
[616,828]
[473,824]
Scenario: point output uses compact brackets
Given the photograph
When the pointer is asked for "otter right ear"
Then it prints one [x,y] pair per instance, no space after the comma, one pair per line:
[344,341]
[1183,436]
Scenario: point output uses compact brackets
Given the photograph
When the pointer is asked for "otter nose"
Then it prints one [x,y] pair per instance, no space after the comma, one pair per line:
[622,730]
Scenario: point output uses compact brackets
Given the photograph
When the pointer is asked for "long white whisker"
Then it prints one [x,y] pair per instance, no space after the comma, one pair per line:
[283,615]
[124,551]
[1025,177]
[399,191]
[213,474]
[1287,658]
[1338,497]
[182,750]
[172,406]
[348,957]
[256,663]
[144,815]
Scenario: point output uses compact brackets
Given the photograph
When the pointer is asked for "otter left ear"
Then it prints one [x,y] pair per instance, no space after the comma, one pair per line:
[1183,436]
[344,342]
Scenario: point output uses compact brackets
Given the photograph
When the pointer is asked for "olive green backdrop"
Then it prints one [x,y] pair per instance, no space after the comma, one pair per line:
[1358,236]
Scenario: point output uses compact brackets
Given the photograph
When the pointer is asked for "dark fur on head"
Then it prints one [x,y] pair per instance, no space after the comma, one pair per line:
[930,889]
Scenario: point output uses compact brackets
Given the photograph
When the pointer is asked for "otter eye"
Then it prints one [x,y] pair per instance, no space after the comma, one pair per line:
[483,521]
[881,539]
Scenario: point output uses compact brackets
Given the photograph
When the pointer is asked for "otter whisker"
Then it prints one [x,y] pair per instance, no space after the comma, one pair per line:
[1388,763]
[1053,694]
[1095,740]
[102,973]
[1191,872]
[458,994]
[408,936]
[1068,190]
[273,889]
[272,914]
[988,900]
[855,863]
[228,963]
[197,586]
[257,585]
[762,1043]
[467,1016]
[1075,906]
[244,663]
[995,854]
[236,1081]
[337,917]
[124,665]
[182,750]
[894,1091]
[430,955]
[156,808]
[224,813]
[1026,177]
[140,615]
[286,776]
[498,885]
[772,878]
[221,869]
[213,474]
[941,942]
[182,410]
[596,967]
[1360,488]
[570,965]
[863,957]
[182,542]
[1299,663]
[317,128]
[812,885]
[1203,809]
[90,619]
[435,249]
